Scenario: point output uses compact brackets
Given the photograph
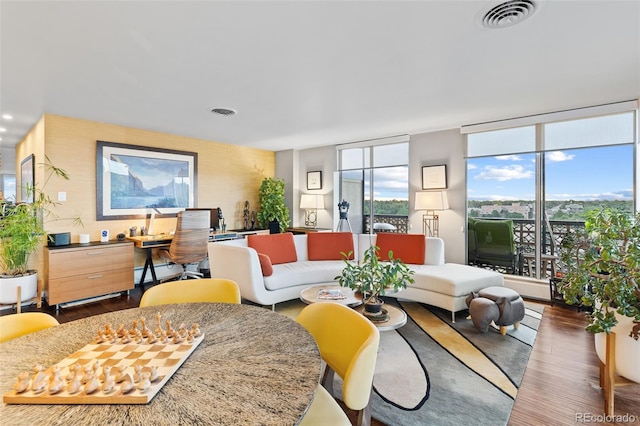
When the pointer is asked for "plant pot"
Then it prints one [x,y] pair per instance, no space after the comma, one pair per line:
[374,307]
[274,227]
[627,349]
[28,284]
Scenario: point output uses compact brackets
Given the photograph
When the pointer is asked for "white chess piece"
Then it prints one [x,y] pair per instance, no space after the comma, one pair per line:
[74,385]
[145,383]
[22,382]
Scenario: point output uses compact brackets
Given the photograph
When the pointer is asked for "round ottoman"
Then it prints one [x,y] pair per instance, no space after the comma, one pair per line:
[498,304]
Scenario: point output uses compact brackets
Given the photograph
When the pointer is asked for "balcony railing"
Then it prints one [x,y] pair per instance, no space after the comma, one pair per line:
[553,232]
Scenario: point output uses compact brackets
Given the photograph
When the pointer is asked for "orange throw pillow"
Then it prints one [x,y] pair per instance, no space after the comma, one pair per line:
[329,245]
[407,247]
[279,247]
[265,265]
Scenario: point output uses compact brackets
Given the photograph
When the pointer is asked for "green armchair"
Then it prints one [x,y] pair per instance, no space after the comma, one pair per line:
[495,245]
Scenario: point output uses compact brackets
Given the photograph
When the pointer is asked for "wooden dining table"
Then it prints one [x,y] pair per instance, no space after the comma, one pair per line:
[253,366]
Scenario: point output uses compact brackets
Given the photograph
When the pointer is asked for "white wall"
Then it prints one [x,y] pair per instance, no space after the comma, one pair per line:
[300,162]
[432,149]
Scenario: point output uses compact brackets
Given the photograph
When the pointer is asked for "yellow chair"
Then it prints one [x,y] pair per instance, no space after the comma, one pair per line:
[348,343]
[202,290]
[16,325]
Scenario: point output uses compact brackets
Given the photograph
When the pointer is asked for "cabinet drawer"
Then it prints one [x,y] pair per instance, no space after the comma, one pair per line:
[80,262]
[89,285]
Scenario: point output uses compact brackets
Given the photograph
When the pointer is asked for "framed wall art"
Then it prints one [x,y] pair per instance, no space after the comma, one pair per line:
[27,173]
[132,180]
[434,177]
[314,180]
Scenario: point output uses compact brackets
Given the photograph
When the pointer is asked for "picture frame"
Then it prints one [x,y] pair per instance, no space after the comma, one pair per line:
[27,173]
[314,180]
[134,180]
[434,177]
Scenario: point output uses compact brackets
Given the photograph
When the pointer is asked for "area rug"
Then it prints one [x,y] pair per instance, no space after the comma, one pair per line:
[434,372]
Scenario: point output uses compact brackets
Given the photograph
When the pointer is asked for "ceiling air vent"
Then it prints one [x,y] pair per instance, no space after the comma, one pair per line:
[223,111]
[508,13]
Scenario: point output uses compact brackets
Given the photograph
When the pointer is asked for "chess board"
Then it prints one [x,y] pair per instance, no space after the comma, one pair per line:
[166,357]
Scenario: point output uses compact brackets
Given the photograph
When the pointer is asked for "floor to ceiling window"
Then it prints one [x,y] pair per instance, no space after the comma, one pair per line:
[374,180]
[544,177]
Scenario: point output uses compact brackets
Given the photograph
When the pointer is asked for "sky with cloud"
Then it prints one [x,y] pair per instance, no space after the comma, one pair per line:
[604,173]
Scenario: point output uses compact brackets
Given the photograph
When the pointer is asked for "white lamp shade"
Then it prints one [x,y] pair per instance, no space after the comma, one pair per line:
[431,200]
[311,201]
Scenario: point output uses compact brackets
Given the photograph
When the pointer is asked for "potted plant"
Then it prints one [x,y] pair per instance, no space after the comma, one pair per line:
[603,272]
[272,206]
[373,277]
[21,234]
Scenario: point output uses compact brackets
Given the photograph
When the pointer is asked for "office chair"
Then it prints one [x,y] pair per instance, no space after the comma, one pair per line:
[348,343]
[189,244]
[16,325]
[203,290]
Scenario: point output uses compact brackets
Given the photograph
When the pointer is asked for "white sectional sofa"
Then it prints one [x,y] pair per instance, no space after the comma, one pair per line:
[437,283]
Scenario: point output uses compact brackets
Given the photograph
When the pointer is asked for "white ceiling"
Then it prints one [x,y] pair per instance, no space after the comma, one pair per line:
[305,74]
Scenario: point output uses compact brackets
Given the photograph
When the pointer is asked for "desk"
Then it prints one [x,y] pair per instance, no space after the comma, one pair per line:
[253,367]
[149,242]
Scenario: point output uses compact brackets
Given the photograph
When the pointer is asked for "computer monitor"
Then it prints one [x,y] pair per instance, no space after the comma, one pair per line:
[215,216]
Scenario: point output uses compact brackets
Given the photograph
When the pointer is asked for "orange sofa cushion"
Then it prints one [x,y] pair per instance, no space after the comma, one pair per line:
[279,247]
[265,265]
[329,245]
[409,248]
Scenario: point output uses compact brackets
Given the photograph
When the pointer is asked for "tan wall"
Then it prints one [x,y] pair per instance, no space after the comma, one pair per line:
[227,174]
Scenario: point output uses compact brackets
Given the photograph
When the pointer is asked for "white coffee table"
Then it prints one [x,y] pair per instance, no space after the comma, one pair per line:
[310,295]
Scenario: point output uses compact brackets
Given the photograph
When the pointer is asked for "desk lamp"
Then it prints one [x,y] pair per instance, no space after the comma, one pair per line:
[151,219]
[431,201]
[311,203]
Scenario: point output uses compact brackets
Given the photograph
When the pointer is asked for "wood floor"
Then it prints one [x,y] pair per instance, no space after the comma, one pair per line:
[559,387]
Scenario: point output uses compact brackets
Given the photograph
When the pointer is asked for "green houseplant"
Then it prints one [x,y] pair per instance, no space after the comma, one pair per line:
[22,233]
[373,277]
[272,206]
[603,272]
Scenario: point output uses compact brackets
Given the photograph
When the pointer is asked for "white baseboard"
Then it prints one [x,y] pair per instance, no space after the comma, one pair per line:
[528,287]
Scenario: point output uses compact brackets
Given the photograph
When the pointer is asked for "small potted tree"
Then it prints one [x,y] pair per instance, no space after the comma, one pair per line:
[603,272]
[373,278]
[21,234]
[273,213]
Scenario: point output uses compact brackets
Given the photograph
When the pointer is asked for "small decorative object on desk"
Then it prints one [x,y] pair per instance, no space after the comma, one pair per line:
[331,294]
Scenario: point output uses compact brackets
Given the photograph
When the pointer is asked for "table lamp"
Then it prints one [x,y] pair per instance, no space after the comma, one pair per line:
[311,203]
[431,201]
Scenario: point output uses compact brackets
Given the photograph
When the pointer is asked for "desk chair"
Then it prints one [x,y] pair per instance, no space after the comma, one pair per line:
[348,343]
[203,290]
[189,243]
[16,325]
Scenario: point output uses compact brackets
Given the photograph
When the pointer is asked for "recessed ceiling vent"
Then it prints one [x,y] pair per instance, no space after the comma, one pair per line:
[508,13]
[224,111]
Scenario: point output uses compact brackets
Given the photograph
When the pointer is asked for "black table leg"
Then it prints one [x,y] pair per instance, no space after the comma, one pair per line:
[149,264]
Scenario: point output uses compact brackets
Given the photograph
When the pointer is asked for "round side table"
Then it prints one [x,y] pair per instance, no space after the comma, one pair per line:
[397,318]
[310,295]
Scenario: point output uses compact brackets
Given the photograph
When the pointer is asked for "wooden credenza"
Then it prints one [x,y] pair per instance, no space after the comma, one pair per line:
[80,271]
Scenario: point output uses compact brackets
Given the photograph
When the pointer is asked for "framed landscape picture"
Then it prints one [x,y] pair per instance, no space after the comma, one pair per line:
[434,177]
[132,180]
